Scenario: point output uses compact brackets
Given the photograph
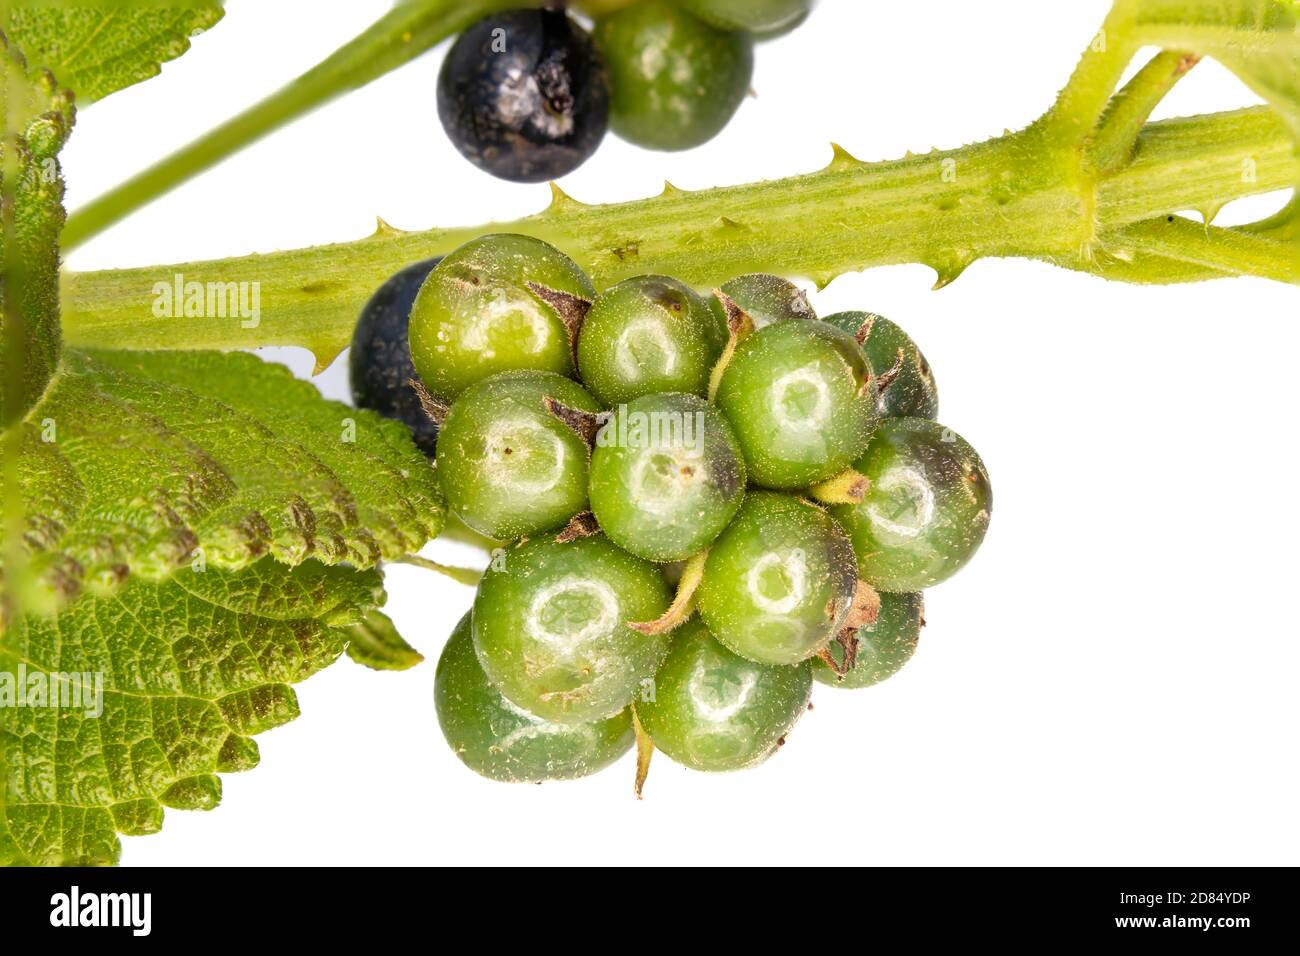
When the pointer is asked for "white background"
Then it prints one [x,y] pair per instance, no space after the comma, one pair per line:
[1112,681]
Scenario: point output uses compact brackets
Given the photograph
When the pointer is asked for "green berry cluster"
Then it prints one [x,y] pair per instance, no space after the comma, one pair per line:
[707,503]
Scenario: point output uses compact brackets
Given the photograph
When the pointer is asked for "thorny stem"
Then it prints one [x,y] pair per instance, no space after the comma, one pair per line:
[1011,196]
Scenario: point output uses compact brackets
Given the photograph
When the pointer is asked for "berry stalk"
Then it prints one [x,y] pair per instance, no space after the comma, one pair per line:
[411,28]
[1019,195]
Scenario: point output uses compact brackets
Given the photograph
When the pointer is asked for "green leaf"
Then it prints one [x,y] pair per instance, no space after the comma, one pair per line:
[375,643]
[100,48]
[137,464]
[36,117]
[187,671]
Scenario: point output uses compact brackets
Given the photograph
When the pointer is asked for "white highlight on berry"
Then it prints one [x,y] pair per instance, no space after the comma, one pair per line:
[658,482]
[509,433]
[584,590]
[634,338]
[909,500]
[805,378]
[499,317]
[718,698]
[795,572]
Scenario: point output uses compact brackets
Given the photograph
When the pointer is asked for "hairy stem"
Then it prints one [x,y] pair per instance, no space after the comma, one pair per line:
[1006,197]
[1131,107]
[1207,251]
[1073,118]
[405,32]
[466,576]
[1184,164]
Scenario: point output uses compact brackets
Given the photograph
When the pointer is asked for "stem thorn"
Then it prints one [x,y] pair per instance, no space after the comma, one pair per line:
[841,158]
[561,201]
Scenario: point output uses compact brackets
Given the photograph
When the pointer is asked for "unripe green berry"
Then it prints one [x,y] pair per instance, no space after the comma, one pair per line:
[802,402]
[927,509]
[497,304]
[508,466]
[779,583]
[666,477]
[551,627]
[675,81]
[714,710]
[503,742]
[647,335]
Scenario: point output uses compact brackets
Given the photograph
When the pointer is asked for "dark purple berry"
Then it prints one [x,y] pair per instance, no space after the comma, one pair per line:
[524,95]
[380,362]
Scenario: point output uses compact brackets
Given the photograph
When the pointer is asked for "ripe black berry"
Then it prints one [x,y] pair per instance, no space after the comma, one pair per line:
[380,362]
[524,96]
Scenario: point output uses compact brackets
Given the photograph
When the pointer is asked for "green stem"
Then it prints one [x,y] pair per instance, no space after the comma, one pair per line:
[457,531]
[409,29]
[1187,250]
[1073,118]
[1131,107]
[467,576]
[1199,164]
[1007,197]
